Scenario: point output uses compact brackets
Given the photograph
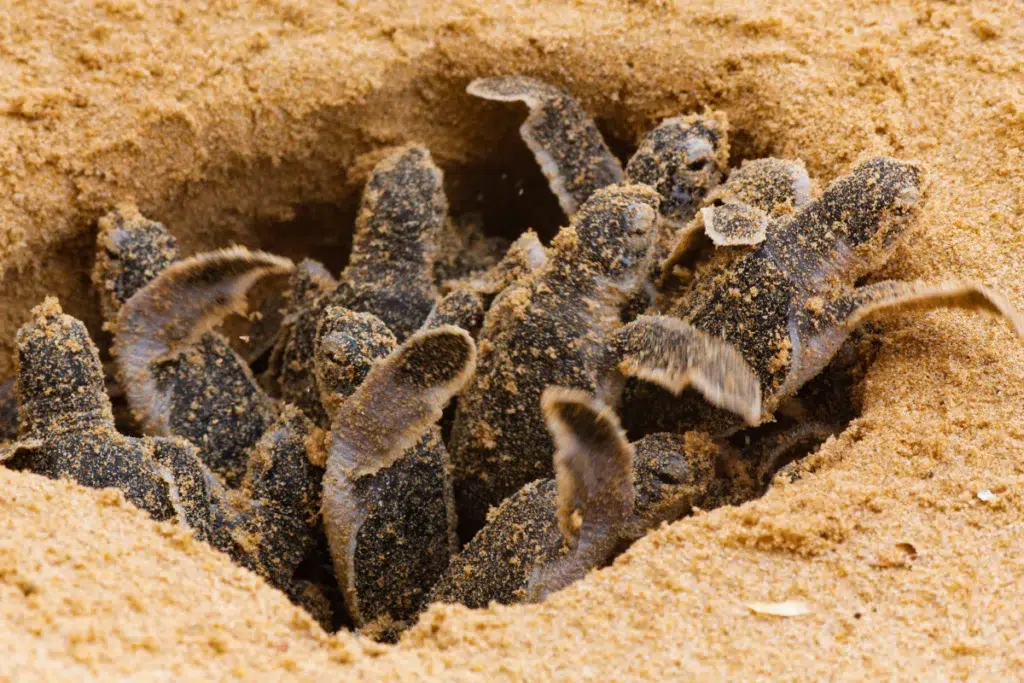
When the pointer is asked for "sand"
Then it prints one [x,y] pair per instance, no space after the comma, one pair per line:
[229,121]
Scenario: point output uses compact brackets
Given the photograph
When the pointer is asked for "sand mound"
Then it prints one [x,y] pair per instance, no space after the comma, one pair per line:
[256,121]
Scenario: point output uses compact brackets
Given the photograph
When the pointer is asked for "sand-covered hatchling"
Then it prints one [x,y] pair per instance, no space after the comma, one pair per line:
[387,497]
[66,429]
[606,493]
[789,302]
[180,377]
[390,272]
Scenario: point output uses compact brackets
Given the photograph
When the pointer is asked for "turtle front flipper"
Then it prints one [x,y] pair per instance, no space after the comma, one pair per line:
[594,472]
[822,326]
[178,379]
[675,355]
[387,497]
[563,138]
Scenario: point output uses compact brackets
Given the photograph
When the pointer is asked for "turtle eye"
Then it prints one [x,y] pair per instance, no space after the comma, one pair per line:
[698,165]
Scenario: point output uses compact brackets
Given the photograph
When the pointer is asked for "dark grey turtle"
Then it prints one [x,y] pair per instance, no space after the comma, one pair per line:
[606,493]
[387,500]
[390,272]
[179,378]
[66,429]
[789,302]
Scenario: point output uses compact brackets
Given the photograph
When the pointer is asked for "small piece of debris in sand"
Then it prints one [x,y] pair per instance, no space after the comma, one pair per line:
[900,555]
[986,496]
[789,608]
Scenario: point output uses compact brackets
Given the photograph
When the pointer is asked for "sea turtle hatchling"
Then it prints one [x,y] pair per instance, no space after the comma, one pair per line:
[387,498]
[66,429]
[390,272]
[179,377]
[789,302]
[606,493]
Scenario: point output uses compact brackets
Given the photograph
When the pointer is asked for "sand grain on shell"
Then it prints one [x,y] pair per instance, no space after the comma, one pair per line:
[219,121]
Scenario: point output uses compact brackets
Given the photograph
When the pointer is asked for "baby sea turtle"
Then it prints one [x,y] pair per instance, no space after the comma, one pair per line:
[179,377]
[555,326]
[387,498]
[66,429]
[789,302]
[606,493]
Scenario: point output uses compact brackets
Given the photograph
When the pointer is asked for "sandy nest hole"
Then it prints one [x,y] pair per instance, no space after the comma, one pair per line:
[257,123]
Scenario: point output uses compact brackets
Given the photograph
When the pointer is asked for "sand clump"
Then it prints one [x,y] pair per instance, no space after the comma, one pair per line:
[230,122]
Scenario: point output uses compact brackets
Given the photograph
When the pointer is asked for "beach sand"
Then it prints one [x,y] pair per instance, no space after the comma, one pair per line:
[255,121]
